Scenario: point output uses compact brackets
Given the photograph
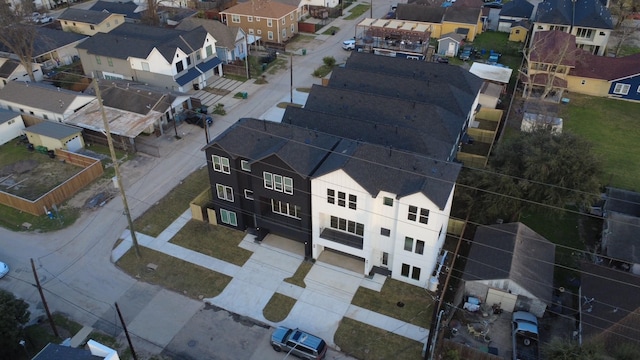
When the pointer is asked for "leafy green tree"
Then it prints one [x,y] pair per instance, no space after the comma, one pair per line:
[329,61]
[14,314]
[562,349]
[532,169]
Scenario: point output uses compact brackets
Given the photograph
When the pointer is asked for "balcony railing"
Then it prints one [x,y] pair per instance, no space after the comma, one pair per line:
[343,238]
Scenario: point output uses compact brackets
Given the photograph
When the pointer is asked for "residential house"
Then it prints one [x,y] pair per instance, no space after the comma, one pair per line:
[462,20]
[51,47]
[13,70]
[95,351]
[519,31]
[52,135]
[260,177]
[449,44]
[42,101]
[168,58]
[89,22]
[496,79]
[552,55]
[620,243]
[617,78]
[132,110]
[588,20]
[131,11]
[610,306]
[231,41]
[514,12]
[273,21]
[519,275]
[395,38]
[11,125]
[389,208]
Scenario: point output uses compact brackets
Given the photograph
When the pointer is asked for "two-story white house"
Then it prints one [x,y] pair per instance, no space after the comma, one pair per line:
[168,58]
[588,20]
[389,208]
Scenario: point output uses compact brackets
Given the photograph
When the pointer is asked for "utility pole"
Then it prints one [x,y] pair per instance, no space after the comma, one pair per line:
[291,85]
[116,167]
[126,332]
[371,8]
[44,301]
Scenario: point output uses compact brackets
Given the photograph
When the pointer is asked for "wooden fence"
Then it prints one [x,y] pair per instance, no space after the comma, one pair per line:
[92,170]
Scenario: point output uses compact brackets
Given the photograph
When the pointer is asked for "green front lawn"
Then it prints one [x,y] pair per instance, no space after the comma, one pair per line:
[356,11]
[612,126]
[219,242]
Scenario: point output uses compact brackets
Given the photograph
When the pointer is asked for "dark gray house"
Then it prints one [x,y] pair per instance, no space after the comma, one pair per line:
[260,177]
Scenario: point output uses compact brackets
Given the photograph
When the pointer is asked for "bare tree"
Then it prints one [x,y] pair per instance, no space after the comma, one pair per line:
[18,32]
[622,9]
[627,30]
[547,61]
[151,13]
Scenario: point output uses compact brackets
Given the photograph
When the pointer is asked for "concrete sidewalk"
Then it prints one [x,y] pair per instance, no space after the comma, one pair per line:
[319,307]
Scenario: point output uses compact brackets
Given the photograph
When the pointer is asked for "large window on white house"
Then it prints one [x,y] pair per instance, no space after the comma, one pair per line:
[228,217]
[209,50]
[179,66]
[220,164]
[409,245]
[224,192]
[286,209]
[621,89]
[584,33]
[342,199]
[406,269]
[278,183]
[347,226]
[413,214]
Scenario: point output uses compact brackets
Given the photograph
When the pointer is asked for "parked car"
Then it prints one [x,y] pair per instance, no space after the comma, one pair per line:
[4,269]
[442,59]
[299,343]
[44,19]
[524,328]
[199,119]
[466,53]
[349,44]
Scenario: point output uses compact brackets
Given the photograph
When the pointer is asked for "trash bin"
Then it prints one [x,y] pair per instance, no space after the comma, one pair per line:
[304,51]
[264,66]
[245,95]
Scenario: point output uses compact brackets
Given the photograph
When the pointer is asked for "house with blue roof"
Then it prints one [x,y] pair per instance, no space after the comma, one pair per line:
[514,12]
[588,20]
[168,58]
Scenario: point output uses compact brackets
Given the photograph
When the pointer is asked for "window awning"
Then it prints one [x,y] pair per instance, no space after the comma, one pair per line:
[189,76]
[208,65]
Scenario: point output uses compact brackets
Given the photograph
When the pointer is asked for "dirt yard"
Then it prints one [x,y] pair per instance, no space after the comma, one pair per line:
[31,178]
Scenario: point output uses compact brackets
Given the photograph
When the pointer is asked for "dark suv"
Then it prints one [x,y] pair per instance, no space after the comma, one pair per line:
[299,343]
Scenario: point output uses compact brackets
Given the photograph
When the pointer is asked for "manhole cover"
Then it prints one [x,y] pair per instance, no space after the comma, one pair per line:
[192,343]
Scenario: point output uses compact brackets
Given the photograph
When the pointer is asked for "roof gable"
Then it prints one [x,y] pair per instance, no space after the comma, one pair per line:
[225,35]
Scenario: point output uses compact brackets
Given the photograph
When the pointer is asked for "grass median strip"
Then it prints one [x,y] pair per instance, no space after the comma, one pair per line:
[366,342]
[162,214]
[399,300]
[174,274]
[215,241]
[301,273]
[278,307]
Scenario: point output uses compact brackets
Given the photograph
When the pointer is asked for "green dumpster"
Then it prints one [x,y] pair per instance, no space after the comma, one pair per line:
[264,66]
[304,51]
[245,95]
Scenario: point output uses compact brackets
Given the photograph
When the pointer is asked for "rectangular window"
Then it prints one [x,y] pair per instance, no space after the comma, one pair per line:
[221,164]
[347,226]
[419,247]
[331,196]
[385,258]
[228,217]
[145,66]
[342,199]
[268,180]
[405,270]
[188,60]
[98,60]
[90,27]
[244,164]
[584,33]
[235,18]
[353,200]
[179,66]
[408,244]
[387,201]
[291,16]
[224,192]
[248,194]
[269,22]
[415,274]
[250,18]
[621,89]
[110,61]
[284,33]
[285,209]
[270,35]
[250,31]
[288,185]
[385,232]
[209,50]
[424,216]
[277,183]
[284,21]
[413,213]
[259,32]
[257,19]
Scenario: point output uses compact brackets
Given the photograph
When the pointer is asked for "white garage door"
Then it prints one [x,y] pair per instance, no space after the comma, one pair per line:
[74,144]
[506,300]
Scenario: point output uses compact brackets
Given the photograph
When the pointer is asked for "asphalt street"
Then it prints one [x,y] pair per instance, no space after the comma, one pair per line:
[75,267]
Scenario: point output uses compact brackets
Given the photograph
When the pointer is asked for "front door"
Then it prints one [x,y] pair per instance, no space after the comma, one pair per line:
[385,259]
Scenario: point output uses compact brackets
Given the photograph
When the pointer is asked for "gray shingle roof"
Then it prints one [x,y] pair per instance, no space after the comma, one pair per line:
[49,39]
[225,35]
[8,67]
[134,100]
[424,13]
[128,9]
[517,8]
[6,115]
[53,129]
[85,16]
[133,40]
[301,149]
[517,253]
[463,15]
[39,96]
[377,168]
[588,13]
[56,352]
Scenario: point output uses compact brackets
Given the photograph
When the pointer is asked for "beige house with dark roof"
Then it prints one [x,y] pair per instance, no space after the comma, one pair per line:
[271,21]
[89,22]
